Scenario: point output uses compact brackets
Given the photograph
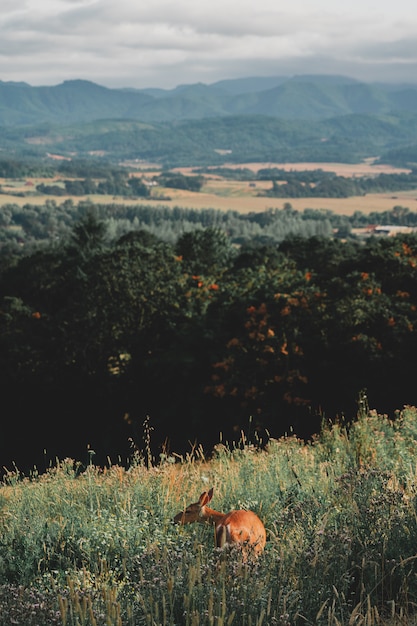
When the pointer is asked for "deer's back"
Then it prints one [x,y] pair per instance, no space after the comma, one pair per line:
[241,527]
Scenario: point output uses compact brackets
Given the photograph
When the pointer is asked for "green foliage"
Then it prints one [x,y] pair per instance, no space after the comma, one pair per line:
[205,251]
[10,168]
[179,181]
[118,184]
[92,546]
[36,226]
[219,139]
[327,185]
[199,335]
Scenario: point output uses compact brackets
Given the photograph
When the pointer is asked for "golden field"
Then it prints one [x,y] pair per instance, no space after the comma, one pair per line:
[243,196]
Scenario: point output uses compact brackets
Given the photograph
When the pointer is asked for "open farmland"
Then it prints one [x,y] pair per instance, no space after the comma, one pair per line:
[246,203]
[366,168]
[243,196]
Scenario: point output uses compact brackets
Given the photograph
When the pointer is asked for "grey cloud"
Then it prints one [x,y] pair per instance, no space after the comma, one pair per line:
[162,42]
[405,49]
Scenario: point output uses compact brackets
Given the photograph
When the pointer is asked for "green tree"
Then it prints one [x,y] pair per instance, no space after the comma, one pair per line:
[205,251]
[88,236]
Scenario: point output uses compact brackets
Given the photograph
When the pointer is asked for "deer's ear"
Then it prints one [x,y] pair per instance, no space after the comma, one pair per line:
[204,498]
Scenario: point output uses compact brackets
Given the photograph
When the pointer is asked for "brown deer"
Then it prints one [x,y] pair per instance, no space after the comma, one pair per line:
[239,527]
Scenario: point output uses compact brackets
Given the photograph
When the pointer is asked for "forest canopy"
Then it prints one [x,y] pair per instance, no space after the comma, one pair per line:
[103,326]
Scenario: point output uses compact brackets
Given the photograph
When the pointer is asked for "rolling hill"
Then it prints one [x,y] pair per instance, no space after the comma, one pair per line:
[303,118]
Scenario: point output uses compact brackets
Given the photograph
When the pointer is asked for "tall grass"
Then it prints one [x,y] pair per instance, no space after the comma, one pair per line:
[90,546]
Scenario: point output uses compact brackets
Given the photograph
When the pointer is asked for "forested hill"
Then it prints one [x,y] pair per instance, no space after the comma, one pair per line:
[311,97]
[219,140]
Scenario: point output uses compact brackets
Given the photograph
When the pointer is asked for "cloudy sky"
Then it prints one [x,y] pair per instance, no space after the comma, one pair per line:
[164,43]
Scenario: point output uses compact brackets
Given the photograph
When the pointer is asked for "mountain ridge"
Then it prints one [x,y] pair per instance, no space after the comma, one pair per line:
[307,97]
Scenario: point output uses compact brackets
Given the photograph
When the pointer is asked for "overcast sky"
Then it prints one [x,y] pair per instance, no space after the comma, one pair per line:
[164,43]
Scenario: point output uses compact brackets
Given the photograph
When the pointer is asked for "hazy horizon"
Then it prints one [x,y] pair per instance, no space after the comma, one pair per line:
[163,45]
[271,77]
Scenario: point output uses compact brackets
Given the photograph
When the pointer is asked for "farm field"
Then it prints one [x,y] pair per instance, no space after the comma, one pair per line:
[247,203]
[366,168]
[242,203]
[242,196]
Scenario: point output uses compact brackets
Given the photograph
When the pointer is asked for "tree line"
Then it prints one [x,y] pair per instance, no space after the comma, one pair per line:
[120,184]
[198,338]
[320,184]
[26,228]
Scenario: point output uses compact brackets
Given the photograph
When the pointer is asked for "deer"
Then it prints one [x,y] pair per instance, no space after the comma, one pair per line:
[238,527]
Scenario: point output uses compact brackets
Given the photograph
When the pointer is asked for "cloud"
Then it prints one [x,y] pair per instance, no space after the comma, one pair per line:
[165,43]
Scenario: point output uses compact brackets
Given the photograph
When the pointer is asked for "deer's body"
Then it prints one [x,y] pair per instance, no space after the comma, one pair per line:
[236,527]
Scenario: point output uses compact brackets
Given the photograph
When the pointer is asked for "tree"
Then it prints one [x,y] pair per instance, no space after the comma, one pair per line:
[88,235]
[205,251]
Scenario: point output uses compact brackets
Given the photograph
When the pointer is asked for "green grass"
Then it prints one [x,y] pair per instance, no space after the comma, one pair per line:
[98,547]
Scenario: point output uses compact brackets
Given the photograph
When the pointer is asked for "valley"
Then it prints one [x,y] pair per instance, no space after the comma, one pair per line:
[222,193]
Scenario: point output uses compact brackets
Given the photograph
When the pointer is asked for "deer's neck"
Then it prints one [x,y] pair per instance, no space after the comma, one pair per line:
[211,515]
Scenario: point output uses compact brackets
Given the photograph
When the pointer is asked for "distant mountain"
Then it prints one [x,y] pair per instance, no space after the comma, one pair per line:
[306,97]
[71,101]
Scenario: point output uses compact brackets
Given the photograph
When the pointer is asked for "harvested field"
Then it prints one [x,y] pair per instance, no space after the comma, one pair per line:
[366,168]
[242,203]
[242,196]
[343,206]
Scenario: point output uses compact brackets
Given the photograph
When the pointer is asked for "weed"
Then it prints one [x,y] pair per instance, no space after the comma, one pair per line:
[97,546]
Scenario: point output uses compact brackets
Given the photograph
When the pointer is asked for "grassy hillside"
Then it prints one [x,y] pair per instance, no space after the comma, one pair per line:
[91,546]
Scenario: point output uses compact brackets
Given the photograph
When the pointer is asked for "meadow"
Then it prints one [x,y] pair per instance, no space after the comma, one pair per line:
[97,546]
